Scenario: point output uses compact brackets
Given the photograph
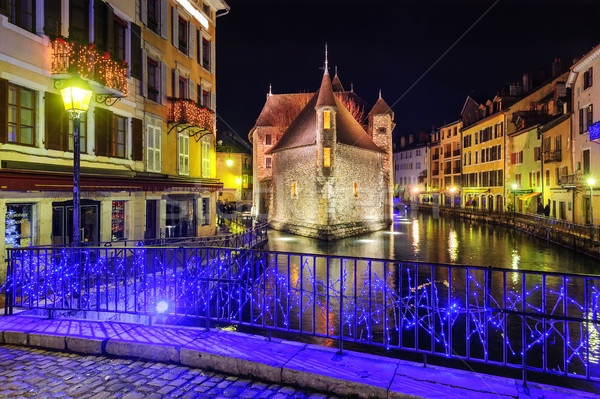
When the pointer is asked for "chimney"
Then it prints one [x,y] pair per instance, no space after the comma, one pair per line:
[514,90]
[411,138]
[526,83]
[402,141]
[556,67]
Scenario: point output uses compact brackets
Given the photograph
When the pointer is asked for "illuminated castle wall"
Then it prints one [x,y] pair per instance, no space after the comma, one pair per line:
[330,173]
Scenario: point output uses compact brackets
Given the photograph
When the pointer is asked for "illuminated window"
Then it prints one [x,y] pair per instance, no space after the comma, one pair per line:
[326,119]
[326,157]
[294,190]
[317,157]
[355,189]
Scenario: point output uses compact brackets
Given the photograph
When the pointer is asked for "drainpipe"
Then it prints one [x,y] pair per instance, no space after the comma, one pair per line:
[222,12]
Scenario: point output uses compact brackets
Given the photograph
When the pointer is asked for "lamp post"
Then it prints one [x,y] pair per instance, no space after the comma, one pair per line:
[76,96]
[514,191]
[591,182]
[416,193]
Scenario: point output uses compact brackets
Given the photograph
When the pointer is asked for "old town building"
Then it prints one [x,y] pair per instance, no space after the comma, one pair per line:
[147,140]
[584,177]
[446,164]
[410,168]
[331,165]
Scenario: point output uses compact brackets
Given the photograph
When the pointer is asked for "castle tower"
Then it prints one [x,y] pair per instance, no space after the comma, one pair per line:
[381,125]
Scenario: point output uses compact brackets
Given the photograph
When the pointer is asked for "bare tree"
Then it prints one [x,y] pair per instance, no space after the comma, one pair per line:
[351,105]
[285,109]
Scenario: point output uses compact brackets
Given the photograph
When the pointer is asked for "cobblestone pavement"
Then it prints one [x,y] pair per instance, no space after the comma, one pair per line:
[36,373]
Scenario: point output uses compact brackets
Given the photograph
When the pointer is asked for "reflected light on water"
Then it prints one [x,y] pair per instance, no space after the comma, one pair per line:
[393,232]
[286,239]
[453,245]
[365,241]
[415,236]
[514,263]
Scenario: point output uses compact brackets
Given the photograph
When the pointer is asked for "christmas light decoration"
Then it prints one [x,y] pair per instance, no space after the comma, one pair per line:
[11,235]
[73,57]
[546,322]
[186,111]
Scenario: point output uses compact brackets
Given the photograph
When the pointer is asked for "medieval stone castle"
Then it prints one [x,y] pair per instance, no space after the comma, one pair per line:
[322,165]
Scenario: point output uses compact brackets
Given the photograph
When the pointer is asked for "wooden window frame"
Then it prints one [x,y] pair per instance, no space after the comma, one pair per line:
[114,137]
[18,125]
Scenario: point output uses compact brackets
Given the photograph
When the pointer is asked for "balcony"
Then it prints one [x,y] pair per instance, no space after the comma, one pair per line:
[185,114]
[447,171]
[456,169]
[71,57]
[435,172]
[435,156]
[570,180]
[553,156]
[456,152]
[447,154]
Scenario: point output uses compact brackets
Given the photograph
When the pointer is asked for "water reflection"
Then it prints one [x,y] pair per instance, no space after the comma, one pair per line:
[421,237]
[453,245]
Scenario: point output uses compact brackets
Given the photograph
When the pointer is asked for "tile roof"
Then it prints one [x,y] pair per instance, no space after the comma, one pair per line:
[278,103]
[326,97]
[337,85]
[303,131]
[380,108]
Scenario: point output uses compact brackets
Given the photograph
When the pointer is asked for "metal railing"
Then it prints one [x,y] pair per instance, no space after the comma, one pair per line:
[526,320]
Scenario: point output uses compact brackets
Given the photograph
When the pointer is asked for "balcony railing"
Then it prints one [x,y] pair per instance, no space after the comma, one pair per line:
[186,111]
[70,57]
[435,156]
[570,180]
[553,156]
[447,154]
[456,152]
[447,171]
[435,172]
[456,169]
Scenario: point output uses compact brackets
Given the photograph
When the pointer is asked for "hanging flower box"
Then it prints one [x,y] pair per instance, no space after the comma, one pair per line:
[70,57]
[186,111]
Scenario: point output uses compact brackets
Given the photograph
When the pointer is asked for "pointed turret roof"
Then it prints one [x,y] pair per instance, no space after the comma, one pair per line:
[381,107]
[303,131]
[337,85]
[326,97]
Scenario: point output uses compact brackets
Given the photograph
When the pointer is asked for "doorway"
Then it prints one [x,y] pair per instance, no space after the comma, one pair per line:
[62,222]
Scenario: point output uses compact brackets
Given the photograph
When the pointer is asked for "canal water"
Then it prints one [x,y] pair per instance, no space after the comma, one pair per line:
[426,238]
[402,290]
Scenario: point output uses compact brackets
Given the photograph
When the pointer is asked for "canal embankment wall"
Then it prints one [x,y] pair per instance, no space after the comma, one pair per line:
[584,239]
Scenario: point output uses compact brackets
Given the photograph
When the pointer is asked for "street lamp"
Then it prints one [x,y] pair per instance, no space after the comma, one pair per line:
[416,193]
[453,191]
[76,96]
[514,190]
[591,182]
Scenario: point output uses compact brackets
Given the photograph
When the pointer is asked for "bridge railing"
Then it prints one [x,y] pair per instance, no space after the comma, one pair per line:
[526,320]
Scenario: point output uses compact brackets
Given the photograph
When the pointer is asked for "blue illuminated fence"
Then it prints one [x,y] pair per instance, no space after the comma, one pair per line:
[546,322]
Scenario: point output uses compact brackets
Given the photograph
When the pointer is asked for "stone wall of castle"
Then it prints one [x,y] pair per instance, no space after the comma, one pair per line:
[327,207]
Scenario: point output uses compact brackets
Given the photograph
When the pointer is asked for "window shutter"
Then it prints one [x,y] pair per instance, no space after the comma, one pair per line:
[590,116]
[590,77]
[175,27]
[213,101]
[150,148]
[164,19]
[109,29]
[144,11]
[176,92]
[136,51]
[102,130]
[192,41]
[99,18]
[56,126]
[581,121]
[191,90]
[212,57]
[144,81]
[137,137]
[164,72]
[3,109]
[157,149]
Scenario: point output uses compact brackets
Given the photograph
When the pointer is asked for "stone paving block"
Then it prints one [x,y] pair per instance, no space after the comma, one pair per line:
[405,387]
[152,343]
[48,341]
[240,354]
[323,369]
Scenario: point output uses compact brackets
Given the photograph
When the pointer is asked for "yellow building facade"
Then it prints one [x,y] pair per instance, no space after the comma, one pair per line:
[484,143]
[148,163]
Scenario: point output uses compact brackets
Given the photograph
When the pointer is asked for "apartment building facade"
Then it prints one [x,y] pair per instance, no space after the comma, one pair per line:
[147,147]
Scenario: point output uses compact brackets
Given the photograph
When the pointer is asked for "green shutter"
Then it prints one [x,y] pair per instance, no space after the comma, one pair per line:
[3,109]
[57,123]
[103,128]
[137,140]
[136,51]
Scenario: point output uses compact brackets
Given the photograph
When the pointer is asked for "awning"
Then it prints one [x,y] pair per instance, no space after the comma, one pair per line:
[529,196]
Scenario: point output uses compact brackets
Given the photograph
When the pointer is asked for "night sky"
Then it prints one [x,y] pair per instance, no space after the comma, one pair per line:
[390,44]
